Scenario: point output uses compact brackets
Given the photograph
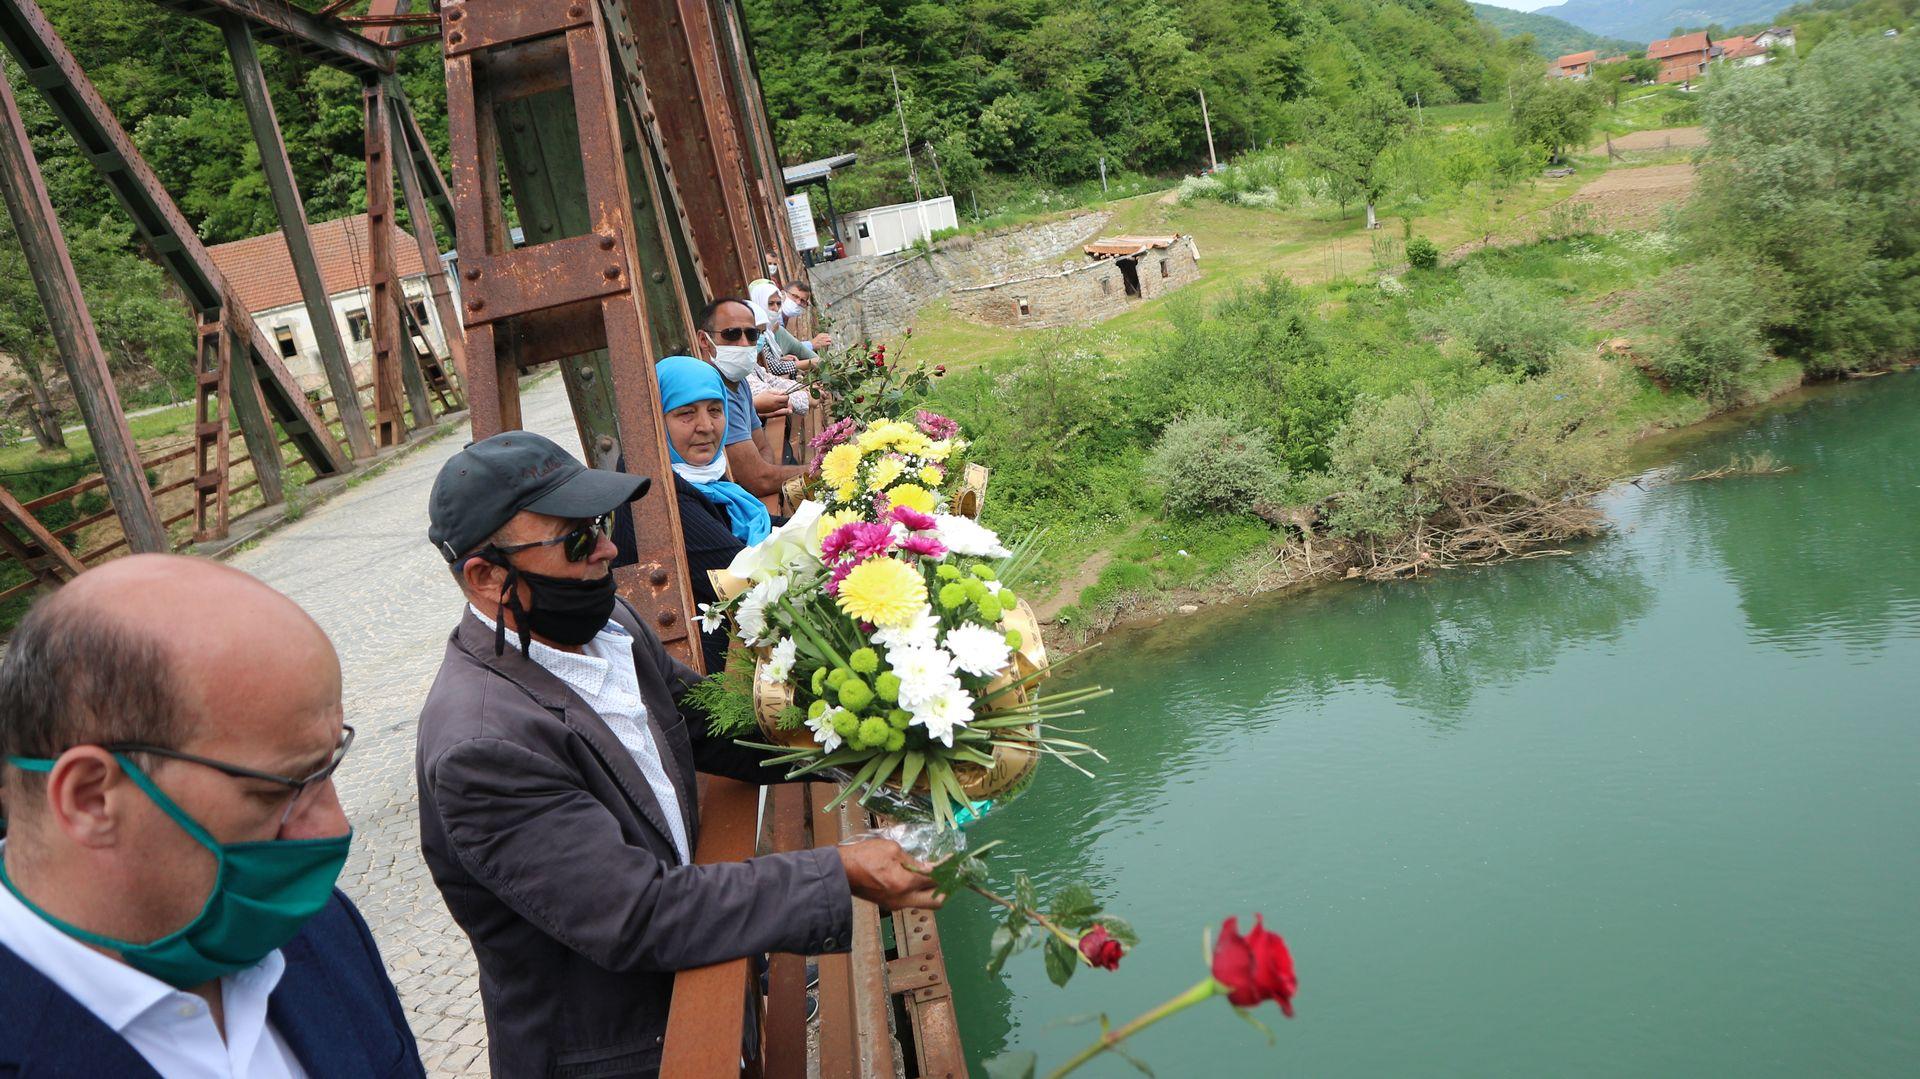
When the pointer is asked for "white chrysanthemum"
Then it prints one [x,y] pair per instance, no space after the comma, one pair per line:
[779,665]
[977,649]
[941,715]
[925,672]
[923,631]
[711,617]
[751,616]
[786,548]
[823,732]
[964,535]
[994,587]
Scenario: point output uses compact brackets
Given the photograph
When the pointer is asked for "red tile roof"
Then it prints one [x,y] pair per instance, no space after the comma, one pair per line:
[1677,46]
[1575,59]
[1734,48]
[261,271]
[1127,245]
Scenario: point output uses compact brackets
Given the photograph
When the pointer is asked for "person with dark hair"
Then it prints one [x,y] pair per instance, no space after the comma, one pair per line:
[729,339]
[169,731]
[556,768]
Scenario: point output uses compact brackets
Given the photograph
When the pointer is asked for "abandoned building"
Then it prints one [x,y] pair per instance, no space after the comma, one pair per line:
[1120,271]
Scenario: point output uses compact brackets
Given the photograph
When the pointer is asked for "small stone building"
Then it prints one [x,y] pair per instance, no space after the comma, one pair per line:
[1120,271]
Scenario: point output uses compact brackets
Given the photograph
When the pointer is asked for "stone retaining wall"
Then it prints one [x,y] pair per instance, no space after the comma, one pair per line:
[878,296]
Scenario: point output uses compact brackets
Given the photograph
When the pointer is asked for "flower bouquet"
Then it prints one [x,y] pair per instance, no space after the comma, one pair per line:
[891,650]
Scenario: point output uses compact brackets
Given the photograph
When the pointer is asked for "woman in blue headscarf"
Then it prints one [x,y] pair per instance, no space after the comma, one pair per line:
[717,516]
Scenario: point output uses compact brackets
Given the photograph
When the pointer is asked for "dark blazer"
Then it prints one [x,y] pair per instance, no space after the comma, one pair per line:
[334,1006]
[553,855]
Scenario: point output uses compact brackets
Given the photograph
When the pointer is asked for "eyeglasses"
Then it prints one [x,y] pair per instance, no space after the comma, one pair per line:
[734,334]
[579,541]
[303,788]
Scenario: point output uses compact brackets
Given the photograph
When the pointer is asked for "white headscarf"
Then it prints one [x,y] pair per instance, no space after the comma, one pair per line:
[761,292]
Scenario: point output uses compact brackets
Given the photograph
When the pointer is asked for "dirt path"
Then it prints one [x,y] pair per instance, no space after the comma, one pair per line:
[1666,138]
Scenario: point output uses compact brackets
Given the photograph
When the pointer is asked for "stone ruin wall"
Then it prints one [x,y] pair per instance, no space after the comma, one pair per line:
[1077,294]
[878,296]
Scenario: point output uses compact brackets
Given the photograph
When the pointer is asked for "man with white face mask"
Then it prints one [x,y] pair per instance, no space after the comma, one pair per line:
[729,339]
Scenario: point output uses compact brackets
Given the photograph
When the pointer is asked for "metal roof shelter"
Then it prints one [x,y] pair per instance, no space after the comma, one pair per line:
[817,172]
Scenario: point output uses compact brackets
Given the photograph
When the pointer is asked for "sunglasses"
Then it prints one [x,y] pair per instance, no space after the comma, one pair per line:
[303,788]
[734,334]
[577,542]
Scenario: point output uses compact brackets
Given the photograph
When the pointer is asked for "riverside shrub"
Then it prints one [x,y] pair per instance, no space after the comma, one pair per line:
[1710,322]
[1514,325]
[1210,465]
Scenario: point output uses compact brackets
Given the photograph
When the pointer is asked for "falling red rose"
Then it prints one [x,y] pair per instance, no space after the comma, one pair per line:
[1101,949]
[1255,967]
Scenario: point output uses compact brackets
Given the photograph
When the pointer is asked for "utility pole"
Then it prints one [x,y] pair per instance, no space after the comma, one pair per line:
[1419,118]
[1212,161]
[1103,174]
[913,173]
[937,174]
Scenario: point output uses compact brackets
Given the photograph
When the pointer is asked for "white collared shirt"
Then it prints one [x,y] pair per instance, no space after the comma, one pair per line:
[170,1028]
[605,678]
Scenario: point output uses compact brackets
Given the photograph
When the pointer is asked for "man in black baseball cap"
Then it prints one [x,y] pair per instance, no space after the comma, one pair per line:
[557,797]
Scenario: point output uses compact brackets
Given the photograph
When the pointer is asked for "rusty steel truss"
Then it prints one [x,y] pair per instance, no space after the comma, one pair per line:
[640,167]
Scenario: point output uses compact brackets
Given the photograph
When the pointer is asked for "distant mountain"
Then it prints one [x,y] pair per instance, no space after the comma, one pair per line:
[1647,20]
[1551,37]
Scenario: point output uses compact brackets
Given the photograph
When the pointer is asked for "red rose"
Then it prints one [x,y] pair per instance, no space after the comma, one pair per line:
[1101,949]
[939,369]
[909,331]
[1255,967]
[859,398]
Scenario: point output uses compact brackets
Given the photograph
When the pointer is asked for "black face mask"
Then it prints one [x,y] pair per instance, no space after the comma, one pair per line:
[566,610]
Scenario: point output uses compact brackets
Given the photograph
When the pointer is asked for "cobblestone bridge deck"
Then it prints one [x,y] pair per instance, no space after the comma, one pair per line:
[360,564]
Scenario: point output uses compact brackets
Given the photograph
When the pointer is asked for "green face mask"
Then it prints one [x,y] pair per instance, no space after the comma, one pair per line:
[264,892]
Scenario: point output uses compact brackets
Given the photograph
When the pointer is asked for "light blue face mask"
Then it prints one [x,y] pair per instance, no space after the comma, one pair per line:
[263,893]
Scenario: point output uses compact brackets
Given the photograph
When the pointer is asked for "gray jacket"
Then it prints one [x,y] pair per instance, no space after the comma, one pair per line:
[553,856]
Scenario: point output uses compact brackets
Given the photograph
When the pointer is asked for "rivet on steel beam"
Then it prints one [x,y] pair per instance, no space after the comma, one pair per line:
[666,618]
[659,276]
[456,14]
[610,272]
[658,578]
[473,274]
[576,11]
[456,38]
[586,375]
[606,243]
[476,304]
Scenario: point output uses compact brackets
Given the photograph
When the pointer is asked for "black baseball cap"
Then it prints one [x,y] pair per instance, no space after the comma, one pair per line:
[484,485]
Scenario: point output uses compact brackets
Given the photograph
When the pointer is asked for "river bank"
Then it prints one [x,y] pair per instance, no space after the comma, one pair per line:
[1303,562]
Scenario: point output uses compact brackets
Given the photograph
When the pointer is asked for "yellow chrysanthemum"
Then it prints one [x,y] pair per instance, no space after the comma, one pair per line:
[888,470]
[831,522]
[930,476]
[938,451]
[840,464]
[880,435]
[845,492]
[884,591]
[913,496]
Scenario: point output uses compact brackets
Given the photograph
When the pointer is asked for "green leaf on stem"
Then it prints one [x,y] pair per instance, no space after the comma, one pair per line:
[1062,960]
[1001,948]
[1074,906]
[1017,1065]
[1119,929]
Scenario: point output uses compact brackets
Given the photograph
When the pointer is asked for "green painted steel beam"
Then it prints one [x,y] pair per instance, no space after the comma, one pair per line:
[321,40]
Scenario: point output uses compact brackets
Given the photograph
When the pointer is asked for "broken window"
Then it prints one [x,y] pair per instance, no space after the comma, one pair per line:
[283,335]
[1025,307]
[358,327]
[1163,267]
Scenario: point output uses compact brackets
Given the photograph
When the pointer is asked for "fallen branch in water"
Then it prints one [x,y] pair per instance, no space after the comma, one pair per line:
[1759,464]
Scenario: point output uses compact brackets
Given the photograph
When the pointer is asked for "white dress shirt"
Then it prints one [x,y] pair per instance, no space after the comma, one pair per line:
[169,1027]
[604,677]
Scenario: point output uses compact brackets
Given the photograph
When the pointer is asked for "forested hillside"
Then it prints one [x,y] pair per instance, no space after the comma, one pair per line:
[1551,37]
[1046,87]
[1646,20]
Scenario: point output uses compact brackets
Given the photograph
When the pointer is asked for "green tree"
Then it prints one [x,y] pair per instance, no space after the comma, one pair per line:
[1555,115]
[1612,80]
[1349,137]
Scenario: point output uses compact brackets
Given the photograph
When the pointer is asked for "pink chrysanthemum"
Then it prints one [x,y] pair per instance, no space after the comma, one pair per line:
[913,519]
[834,434]
[856,541]
[840,574]
[923,546]
[934,425]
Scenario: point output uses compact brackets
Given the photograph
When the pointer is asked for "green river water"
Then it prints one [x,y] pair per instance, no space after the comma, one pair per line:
[1652,808]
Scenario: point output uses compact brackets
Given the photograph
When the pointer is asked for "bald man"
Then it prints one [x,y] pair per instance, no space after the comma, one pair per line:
[170,729]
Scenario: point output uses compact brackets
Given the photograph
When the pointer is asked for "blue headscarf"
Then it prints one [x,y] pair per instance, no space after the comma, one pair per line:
[684,380]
